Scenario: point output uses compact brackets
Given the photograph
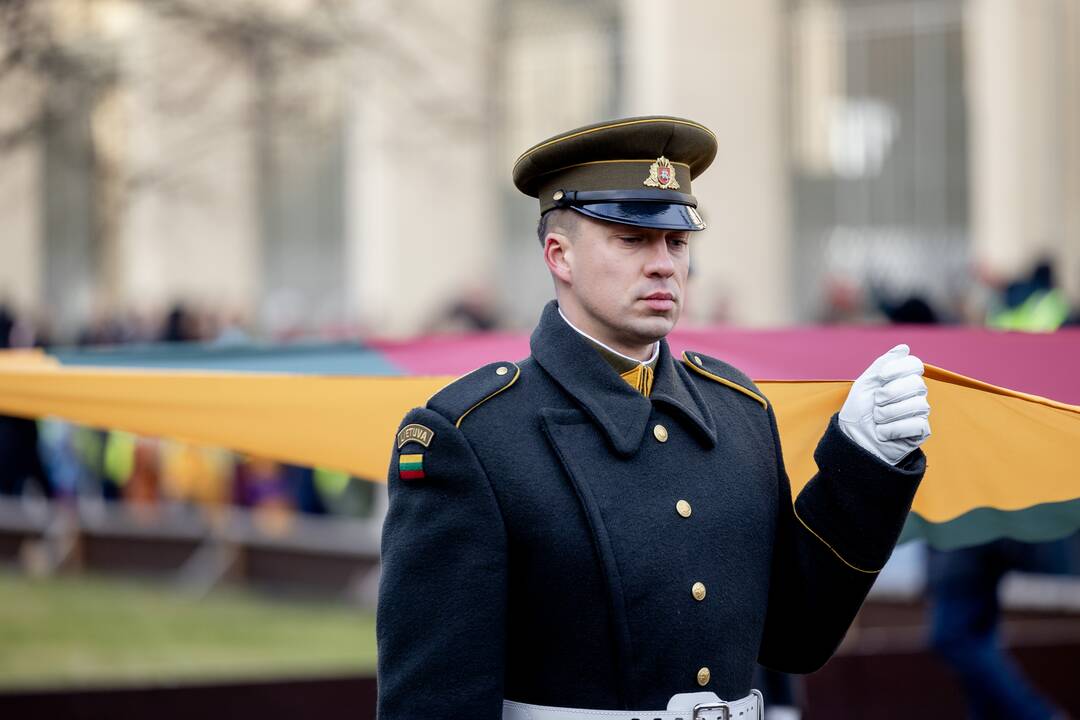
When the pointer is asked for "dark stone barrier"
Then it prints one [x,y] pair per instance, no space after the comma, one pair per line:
[324,698]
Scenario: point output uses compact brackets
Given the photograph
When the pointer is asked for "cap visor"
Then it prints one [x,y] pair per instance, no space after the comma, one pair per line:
[662,216]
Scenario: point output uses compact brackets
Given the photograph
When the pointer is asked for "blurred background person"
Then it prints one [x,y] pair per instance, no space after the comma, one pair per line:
[21,468]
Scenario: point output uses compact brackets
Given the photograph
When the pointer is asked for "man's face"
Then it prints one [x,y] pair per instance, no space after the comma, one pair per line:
[626,283]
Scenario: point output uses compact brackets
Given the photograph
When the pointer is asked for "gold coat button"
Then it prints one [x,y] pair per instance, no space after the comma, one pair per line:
[703,676]
[698,591]
[683,508]
[660,432]
[697,359]
[502,370]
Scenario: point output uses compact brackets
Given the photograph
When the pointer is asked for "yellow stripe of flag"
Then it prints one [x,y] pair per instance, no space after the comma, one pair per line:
[991,447]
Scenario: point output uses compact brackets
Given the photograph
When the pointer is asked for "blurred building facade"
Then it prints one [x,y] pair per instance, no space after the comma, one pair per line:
[348,164]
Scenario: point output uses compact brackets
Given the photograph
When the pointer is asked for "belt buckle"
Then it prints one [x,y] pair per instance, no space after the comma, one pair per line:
[700,708]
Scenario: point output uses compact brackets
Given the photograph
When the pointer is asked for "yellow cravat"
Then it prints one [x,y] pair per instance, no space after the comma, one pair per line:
[640,378]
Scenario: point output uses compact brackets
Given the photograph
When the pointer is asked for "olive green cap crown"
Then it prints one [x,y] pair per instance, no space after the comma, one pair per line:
[632,170]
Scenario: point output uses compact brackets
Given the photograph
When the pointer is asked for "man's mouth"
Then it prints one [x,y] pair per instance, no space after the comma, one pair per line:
[660,301]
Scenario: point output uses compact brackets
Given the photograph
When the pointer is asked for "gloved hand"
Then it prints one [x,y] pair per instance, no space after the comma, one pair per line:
[886,412]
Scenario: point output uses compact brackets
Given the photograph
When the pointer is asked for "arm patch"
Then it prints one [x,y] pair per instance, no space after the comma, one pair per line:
[719,371]
[469,392]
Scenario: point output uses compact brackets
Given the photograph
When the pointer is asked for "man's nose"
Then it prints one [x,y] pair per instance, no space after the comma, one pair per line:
[660,262]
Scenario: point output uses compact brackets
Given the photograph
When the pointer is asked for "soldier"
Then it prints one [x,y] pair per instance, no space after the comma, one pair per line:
[603,530]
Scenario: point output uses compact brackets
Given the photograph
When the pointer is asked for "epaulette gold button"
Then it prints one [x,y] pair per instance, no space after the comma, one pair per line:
[697,359]
[502,370]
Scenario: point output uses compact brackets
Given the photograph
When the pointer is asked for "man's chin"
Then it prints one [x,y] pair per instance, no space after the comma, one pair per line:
[652,328]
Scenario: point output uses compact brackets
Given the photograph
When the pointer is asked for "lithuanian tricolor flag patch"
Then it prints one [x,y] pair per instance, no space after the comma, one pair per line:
[411,467]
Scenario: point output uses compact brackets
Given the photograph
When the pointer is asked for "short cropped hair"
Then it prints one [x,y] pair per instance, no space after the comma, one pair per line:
[561,220]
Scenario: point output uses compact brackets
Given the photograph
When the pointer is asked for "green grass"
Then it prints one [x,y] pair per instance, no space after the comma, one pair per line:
[83,630]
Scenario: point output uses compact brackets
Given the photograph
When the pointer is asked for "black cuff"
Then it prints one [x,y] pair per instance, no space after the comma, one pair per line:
[858,503]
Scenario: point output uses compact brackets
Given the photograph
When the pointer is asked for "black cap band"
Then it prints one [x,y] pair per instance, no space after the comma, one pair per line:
[659,209]
[576,198]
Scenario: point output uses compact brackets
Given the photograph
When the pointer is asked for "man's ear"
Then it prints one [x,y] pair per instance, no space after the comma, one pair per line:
[558,254]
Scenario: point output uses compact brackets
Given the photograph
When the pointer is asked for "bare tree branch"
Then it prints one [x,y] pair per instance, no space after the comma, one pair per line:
[15,137]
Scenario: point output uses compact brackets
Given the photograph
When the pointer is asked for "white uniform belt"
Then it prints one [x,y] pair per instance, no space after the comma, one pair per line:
[685,706]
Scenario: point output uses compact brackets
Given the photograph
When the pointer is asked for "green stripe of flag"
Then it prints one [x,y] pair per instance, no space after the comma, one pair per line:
[1038,523]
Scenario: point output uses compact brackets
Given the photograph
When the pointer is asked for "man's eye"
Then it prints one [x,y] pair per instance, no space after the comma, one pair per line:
[631,239]
[677,241]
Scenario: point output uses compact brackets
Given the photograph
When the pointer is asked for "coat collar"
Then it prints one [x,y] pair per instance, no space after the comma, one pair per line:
[621,412]
[615,359]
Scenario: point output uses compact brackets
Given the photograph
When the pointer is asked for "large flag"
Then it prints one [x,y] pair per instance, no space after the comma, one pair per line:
[1001,463]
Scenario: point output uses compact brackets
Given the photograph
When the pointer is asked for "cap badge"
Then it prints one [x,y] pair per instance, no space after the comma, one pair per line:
[662,175]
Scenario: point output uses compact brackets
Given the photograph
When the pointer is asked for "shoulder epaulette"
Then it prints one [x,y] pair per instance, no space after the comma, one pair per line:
[719,371]
[469,392]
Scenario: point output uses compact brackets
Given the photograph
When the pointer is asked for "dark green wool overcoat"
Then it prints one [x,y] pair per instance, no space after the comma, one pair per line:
[555,537]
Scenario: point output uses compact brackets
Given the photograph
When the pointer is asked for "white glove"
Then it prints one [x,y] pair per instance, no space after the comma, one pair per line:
[886,412]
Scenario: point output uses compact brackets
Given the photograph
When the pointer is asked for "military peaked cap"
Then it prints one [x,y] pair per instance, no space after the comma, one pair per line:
[635,171]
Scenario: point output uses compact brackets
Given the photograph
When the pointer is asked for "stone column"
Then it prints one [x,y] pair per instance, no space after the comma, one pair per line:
[723,64]
[20,211]
[1070,89]
[421,222]
[1024,80]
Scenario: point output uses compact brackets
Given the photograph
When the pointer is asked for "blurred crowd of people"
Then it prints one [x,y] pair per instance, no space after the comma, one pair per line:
[74,462]
[1031,302]
[54,459]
